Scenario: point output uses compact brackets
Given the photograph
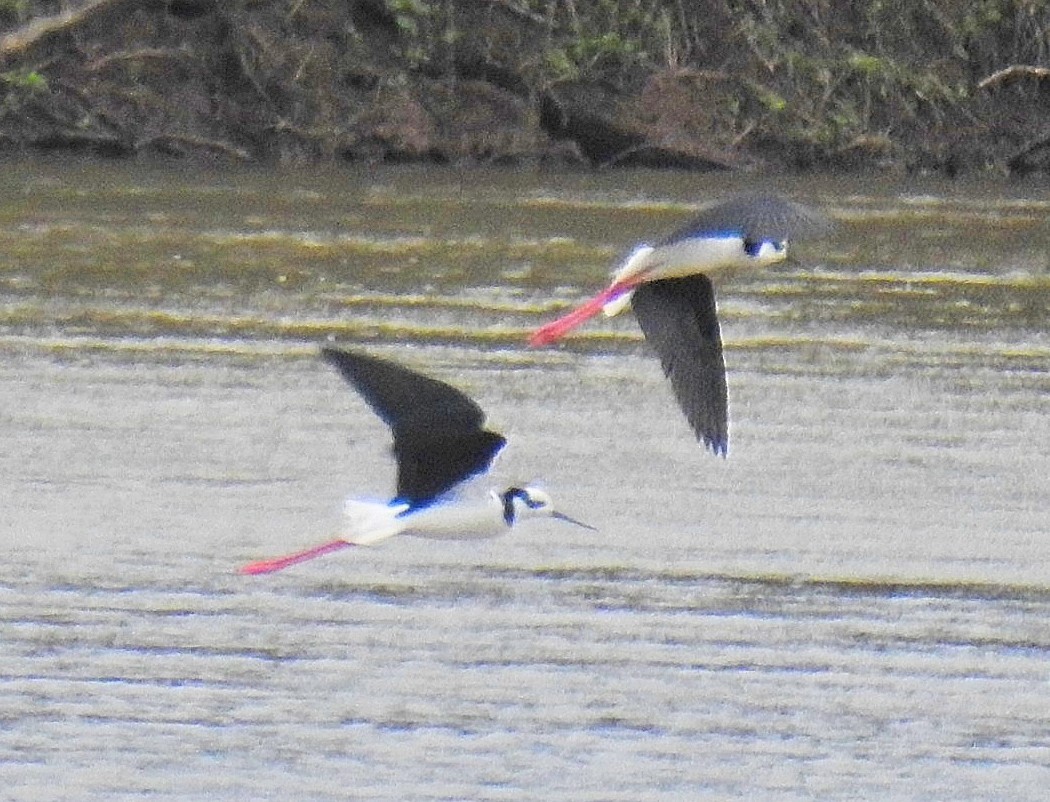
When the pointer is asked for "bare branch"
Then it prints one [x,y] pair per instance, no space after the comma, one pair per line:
[38,30]
[141,55]
[1013,72]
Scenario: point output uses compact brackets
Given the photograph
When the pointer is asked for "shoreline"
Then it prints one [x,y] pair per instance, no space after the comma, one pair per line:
[496,82]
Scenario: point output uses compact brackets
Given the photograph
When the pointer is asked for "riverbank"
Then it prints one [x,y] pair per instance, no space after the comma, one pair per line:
[936,86]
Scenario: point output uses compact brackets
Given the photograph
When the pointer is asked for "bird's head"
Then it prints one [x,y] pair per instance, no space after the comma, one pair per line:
[531,502]
[765,252]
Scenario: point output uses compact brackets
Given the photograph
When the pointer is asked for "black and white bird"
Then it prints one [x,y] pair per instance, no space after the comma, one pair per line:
[439,443]
[669,286]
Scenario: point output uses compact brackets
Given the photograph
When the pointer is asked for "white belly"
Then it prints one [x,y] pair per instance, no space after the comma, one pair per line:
[708,255]
[461,521]
[712,256]
[369,522]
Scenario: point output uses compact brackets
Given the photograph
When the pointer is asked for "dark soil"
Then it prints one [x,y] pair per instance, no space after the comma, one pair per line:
[911,85]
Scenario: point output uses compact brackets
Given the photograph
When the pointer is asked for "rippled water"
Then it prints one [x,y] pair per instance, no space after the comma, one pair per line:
[854,605]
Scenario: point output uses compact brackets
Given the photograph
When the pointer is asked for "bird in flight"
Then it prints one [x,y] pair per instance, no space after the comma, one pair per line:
[439,443]
[668,284]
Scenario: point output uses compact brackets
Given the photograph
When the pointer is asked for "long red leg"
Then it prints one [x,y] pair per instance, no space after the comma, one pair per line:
[556,329]
[276,564]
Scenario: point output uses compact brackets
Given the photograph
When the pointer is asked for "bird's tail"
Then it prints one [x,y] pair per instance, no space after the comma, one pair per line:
[368,522]
[617,304]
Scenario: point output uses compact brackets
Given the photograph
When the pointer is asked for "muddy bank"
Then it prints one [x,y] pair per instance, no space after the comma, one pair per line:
[935,85]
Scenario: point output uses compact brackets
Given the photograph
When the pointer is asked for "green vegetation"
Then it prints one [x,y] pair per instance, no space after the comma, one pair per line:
[920,84]
[29,81]
[13,11]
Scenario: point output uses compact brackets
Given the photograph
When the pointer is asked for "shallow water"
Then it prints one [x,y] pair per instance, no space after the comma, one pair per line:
[853,605]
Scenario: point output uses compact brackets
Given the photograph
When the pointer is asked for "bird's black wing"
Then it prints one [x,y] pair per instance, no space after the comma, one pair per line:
[680,322]
[402,397]
[438,436]
[429,463]
[756,218]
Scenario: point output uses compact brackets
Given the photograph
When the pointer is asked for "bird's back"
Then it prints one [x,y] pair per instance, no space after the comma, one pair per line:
[439,439]
[756,218]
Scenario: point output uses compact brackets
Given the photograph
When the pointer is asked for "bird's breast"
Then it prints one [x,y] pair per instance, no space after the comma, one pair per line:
[475,520]
[712,256]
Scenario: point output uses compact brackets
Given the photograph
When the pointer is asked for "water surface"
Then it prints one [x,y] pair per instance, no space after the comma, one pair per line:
[853,605]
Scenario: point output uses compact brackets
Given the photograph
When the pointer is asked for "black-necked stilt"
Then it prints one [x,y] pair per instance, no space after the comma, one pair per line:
[439,442]
[669,286]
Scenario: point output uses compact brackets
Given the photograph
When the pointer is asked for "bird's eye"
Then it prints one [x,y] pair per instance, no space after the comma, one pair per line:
[534,503]
[753,248]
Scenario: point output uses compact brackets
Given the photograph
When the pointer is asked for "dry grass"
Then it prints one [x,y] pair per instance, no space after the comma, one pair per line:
[939,84]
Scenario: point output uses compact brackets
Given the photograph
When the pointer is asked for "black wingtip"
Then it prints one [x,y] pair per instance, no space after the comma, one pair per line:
[717,444]
[330,353]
